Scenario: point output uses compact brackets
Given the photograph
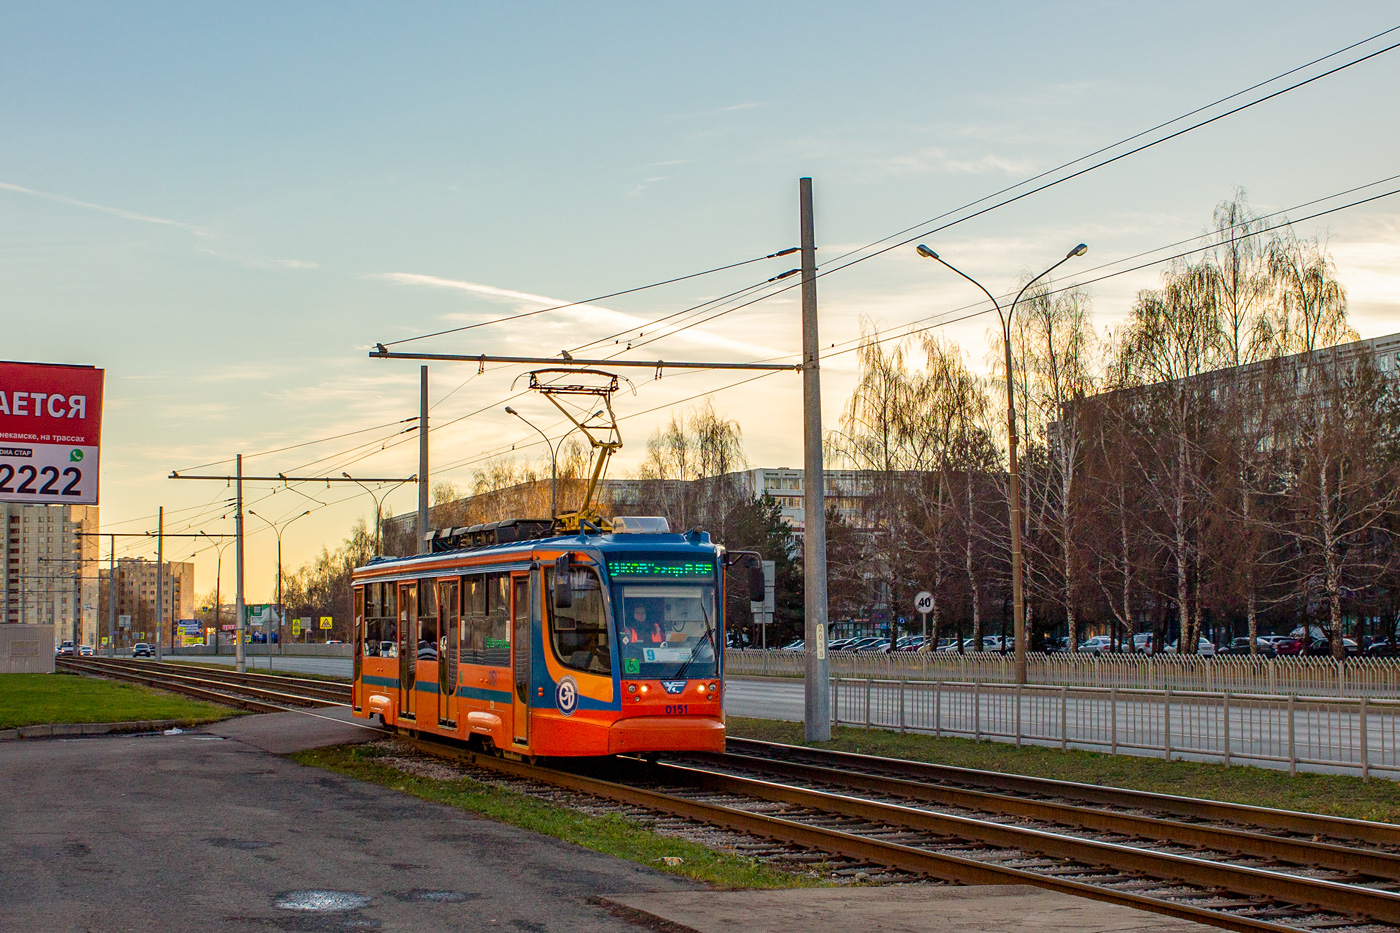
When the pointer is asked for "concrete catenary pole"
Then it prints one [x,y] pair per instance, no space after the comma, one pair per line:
[818,680]
[422,461]
[160,583]
[240,614]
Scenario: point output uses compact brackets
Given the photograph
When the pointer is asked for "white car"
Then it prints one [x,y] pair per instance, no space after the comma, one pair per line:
[1099,644]
[1205,648]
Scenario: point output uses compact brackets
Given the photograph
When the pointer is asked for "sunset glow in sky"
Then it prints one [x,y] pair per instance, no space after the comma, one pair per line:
[226,206]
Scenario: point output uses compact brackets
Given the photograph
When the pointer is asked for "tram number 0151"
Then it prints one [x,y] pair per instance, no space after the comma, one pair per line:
[677,709]
[28,479]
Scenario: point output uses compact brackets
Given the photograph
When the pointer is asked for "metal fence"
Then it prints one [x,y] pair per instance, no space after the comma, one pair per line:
[1354,677]
[1361,734]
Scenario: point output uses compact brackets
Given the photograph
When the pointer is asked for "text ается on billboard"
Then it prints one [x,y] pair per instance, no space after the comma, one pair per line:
[50,433]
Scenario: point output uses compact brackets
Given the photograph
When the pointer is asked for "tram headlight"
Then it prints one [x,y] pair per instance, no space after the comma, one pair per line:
[645,688]
[714,687]
[631,688]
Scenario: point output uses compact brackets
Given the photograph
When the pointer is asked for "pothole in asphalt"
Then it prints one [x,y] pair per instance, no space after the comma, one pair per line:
[321,900]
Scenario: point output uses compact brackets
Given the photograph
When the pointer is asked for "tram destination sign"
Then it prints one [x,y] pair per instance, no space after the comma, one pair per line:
[50,433]
[660,568]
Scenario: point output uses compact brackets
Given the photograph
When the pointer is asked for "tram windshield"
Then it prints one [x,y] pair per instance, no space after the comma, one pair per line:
[667,631]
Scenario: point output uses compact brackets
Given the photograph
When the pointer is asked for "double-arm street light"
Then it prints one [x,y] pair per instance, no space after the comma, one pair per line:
[378,505]
[281,610]
[553,457]
[1013,492]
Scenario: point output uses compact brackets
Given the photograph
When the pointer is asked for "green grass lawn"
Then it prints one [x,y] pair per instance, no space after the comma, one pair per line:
[36,699]
[612,835]
[1336,795]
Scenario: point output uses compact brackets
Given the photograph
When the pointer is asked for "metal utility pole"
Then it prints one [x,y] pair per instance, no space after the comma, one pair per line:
[160,584]
[112,599]
[239,611]
[818,680]
[422,460]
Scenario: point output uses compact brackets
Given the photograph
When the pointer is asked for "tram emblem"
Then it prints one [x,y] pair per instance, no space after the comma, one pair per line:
[673,686]
[566,696]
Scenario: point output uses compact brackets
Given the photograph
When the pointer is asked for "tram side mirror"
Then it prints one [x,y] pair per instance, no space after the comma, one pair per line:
[563,574]
[758,585]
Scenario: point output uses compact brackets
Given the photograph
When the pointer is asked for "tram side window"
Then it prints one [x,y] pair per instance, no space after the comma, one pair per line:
[427,620]
[474,619]
[381,622]
[498,619]
[580,632]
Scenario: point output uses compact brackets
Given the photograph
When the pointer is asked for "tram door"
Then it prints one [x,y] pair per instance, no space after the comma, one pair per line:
[521,606]
[449,620]
[408,648]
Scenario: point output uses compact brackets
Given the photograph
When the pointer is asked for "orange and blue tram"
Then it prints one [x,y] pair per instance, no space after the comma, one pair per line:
[526,642]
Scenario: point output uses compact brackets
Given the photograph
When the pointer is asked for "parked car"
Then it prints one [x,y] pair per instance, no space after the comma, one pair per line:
[1205,648]
[142,650]
[1099,644]
[841,644]
[911,643]
[794,645]
[1382,648]
[1240,646]
[1143,643]
[1287,646]
[65,648]
[1322,648]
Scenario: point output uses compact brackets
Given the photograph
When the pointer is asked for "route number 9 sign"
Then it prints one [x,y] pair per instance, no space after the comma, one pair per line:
[50,433]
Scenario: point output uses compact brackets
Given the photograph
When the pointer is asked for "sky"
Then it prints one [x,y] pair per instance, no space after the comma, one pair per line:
[226,206]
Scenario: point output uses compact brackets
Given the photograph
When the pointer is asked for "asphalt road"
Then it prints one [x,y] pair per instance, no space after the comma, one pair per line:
[167,834]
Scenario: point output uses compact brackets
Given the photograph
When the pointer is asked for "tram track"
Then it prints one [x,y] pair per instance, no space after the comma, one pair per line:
[1227,865]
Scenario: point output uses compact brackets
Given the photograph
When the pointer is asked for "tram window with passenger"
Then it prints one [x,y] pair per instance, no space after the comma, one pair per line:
[579,633]
[427,621]
[485,635]
[381,629]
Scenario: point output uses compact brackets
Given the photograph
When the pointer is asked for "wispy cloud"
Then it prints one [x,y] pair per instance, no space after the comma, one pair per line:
[587,314]
[933,159]
[119,212]
[253,262]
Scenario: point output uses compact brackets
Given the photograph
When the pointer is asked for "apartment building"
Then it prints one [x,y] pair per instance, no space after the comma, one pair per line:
[136,596]
[50,575]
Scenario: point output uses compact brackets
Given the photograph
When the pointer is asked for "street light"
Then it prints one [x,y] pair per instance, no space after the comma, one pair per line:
[281,610]
[553,457]
[1013,493]
[378,505]
[218,577]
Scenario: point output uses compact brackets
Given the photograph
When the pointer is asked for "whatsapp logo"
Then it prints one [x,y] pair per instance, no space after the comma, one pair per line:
[75,456]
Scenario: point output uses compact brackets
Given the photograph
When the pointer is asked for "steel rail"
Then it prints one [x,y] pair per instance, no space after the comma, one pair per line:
[1383,865]
[1334,896]
[159,681]
[1306,824]
[941,865]
[320,689]
[278,701]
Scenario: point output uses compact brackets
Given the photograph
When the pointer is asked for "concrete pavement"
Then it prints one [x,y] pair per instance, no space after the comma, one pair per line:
[198,831]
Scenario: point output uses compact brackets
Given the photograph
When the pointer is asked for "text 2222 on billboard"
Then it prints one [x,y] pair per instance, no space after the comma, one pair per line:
[50,433]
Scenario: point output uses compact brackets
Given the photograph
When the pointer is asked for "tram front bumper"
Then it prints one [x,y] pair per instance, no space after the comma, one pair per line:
[666,734]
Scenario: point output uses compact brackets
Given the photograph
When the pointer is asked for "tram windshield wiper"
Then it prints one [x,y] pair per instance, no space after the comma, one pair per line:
[709,636]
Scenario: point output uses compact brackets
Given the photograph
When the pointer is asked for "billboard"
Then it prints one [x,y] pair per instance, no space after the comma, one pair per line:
[50,433]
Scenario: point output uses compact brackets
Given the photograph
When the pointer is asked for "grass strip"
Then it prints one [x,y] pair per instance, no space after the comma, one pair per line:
[611,834]
[1332,794]
[38,699]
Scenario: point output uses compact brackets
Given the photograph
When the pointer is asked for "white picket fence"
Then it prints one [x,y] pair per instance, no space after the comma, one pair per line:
[1357,735]
[1236,674]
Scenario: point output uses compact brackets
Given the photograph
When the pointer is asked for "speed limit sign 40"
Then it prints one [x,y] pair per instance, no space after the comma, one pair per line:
[923,602]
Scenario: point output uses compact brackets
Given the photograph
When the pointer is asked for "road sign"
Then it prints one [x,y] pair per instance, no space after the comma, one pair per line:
[924,604]
[50,433]
[296,628]
[326,622]
[124,622]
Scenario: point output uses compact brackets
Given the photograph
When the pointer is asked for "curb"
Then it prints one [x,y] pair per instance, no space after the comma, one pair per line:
[65,730]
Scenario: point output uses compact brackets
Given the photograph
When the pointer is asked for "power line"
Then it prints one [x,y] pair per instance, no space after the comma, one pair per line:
[573,304]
